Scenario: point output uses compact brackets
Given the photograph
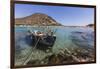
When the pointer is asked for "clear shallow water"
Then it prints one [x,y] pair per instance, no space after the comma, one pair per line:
[67,37]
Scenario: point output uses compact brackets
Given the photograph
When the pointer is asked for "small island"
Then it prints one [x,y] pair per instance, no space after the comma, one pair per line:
[90,25]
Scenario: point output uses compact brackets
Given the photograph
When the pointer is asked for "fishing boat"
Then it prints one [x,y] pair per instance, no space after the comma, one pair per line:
[40,40]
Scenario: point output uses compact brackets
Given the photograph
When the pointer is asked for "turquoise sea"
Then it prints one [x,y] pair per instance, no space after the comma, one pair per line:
[66,37]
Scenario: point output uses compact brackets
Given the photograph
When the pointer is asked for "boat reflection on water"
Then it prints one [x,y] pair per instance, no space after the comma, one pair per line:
[83,39]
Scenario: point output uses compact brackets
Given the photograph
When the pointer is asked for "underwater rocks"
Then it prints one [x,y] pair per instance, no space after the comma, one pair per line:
[65,56]
[55,59]
[31,62]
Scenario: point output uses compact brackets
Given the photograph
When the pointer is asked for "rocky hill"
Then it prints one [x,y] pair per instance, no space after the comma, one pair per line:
[37,19]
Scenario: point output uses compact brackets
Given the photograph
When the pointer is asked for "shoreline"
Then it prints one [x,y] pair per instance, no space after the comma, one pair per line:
[49,26]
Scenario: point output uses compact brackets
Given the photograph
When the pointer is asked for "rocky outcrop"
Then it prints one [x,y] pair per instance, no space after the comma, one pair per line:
[90,25]
[37,19]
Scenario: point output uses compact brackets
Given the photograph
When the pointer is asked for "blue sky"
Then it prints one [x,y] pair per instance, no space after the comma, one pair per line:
[68,16]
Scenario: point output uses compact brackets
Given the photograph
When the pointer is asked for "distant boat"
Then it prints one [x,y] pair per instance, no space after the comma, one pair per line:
[40,40]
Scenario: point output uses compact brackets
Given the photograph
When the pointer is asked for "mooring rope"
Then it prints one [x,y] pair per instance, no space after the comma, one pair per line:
[26,60]
[36,43]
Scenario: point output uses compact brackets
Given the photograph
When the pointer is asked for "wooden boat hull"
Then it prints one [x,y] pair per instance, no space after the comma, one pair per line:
[41,43]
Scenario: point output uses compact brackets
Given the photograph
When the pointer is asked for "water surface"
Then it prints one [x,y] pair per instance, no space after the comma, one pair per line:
[67,37]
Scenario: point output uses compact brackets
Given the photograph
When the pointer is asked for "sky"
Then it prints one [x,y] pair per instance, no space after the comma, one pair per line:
[65,15]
